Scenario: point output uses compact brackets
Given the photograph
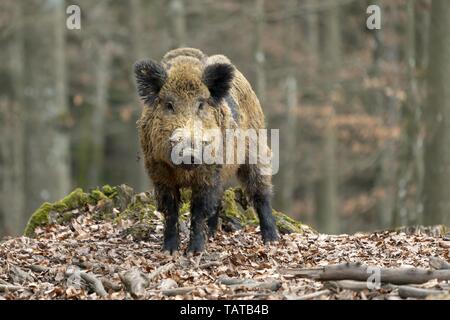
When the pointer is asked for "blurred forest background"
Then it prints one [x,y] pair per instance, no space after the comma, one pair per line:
[364,115]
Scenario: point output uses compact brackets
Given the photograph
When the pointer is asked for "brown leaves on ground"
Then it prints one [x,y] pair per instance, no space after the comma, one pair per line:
[86,258]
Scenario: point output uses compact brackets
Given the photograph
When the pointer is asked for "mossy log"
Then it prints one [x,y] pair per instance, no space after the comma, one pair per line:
[121,202]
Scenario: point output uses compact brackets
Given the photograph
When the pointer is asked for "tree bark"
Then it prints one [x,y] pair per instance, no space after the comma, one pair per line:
[409,175]
[326,187]
[359,272]
[177,12]
[139,52]
[437,141]
[47,143]
[12,166]
[259,52]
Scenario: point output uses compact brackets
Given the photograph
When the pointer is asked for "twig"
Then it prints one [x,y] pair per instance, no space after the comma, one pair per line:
[348,285]
[160,270]
[356,271]
[272,285]
[313,295]
[9,287]
[210,264]
[109,285]
[95,283]
[135,282]
[38,268]
[420,293]
[177,291]
[249,294]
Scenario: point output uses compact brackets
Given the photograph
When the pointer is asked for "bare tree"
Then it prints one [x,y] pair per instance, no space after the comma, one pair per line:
[437,142]
[47,143]
[289,136]
[177,12]
[12,184]
[326,188]
[259,51]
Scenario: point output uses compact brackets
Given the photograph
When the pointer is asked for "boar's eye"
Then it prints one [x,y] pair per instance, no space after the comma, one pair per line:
[169,106]
[201,105]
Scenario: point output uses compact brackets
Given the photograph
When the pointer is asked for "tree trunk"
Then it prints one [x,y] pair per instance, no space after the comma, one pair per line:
[177,17]
[437,142]
[288,180]
[47,143]
[12,193]
[259,52]
[386,179]
[137,20]
[326,188]
[410,153]
[98,116]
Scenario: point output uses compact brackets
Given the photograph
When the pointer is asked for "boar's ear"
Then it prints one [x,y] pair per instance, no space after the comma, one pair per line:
[218,77]
[150,77]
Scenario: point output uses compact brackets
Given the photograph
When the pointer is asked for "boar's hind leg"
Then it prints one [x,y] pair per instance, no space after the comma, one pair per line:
[205,201]
[258,188]
[213,220]
[168,201]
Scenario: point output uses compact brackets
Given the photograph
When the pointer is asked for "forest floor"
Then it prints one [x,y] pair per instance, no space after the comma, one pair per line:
[88,258]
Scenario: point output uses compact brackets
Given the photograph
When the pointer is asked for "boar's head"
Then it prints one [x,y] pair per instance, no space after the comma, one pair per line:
[182,101]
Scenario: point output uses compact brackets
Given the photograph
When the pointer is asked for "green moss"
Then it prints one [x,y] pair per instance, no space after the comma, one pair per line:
[235,210]
[41,216]
[232,215]
[142,208]
[75,199]
[140,231]
[97,195]
[109,191]
[286,224]
[186,195]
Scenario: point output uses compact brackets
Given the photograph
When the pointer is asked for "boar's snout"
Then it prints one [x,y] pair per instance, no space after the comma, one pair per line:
[186,148]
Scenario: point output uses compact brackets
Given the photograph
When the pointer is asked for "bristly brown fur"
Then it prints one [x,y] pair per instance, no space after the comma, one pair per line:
[183,77]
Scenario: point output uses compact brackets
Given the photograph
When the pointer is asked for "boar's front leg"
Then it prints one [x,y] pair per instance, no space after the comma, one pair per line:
[168,202]
[205,201]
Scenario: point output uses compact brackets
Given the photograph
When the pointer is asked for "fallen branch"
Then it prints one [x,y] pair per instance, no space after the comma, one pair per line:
[210,264]
[94,283]
[135,282]
[348,285]
[358,272]
[249,294]
[6,288]
[312,295]
[160,270]
[177,291]
[419,293]
[438,263]
[109,285]
[404,291]
[19,276]
[38,268]
[272,285]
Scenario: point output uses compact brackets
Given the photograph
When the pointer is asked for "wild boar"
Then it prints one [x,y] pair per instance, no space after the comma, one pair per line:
[190,92]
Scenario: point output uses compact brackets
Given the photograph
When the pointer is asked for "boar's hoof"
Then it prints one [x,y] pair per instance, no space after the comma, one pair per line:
[170,246]
[173,253]
[270,237]
[196,246]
